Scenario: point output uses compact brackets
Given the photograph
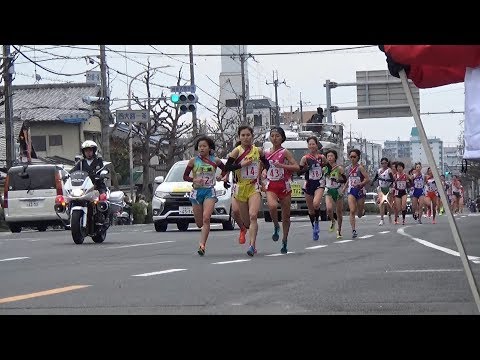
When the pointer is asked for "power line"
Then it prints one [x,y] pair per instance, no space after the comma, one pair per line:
[44,68]
[252,54]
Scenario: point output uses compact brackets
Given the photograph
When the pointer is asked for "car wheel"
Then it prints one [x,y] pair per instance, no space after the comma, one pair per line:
[182,226]
[15,228]
[161,226]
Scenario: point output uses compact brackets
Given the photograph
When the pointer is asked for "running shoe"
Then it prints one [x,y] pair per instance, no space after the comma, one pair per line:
[284,250]
[276,232]
[354,234]
[251,251]
[201,250]
[241,237]
[332,226]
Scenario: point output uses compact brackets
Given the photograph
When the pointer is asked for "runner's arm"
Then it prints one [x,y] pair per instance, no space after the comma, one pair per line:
[188,170]
[292,165]
[365,175]
[303,167]
[374,179]
[230,165]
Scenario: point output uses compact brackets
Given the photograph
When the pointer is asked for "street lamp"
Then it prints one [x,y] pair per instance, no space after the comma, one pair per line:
[130,140]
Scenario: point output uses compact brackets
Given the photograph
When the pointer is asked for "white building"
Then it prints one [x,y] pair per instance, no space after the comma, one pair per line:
[418,154]
[230,81]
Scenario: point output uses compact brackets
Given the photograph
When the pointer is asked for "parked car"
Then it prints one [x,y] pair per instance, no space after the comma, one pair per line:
[171,203]
[29,196]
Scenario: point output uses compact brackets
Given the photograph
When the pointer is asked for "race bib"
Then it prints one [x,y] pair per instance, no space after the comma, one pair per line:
[418,184]
[401,185]
[208,179]
[354,181]
[250,171]
[432,186]
[275,173]
[315,173]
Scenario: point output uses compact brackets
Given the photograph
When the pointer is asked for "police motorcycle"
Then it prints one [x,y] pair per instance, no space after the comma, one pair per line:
[89,211]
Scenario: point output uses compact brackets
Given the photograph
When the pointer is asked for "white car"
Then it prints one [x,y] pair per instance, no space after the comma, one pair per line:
[29,196]
[171,203]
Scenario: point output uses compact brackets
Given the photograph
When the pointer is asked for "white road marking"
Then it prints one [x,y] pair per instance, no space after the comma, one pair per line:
[315,247]
[384,232]
[29,239]
[160,272]
[154,243]
[230,262]
[365,236]
[342,241]
[15,258]
[424,270]
[401,231]
[288,252]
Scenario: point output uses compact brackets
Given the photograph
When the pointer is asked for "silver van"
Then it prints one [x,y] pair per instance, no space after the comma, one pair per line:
[29,196]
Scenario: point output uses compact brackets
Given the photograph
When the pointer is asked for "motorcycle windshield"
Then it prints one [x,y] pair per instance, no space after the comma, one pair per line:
[78,177]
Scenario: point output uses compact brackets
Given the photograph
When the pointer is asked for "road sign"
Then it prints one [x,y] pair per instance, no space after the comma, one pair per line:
[126,116]
[180,89]
[379,88]
[74,118]
[94,77]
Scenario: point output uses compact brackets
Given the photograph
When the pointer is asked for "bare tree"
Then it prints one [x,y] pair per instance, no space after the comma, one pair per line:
[223,126]
[167,134]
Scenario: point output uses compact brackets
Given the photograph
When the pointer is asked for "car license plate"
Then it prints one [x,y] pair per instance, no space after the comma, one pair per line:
[185,210]
[32,203]
[296,190]
[293,206]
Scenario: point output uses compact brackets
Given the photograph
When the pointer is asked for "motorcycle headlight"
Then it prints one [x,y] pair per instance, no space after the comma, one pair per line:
[77,192]
[161,194]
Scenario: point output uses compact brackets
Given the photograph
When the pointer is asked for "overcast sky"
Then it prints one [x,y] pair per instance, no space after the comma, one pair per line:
[305,73]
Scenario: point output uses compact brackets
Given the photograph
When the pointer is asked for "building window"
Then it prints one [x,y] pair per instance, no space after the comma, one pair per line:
[55,140]
[232,103]
[257,120]
[39,143]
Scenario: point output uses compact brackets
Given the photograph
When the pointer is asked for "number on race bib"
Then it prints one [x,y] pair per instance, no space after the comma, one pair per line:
[275,173]
[315,174]
[250,172]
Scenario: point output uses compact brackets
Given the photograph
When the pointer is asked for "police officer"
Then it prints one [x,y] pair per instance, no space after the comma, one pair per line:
[91,163]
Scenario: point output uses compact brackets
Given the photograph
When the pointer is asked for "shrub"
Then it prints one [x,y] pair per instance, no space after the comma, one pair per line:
[138,212]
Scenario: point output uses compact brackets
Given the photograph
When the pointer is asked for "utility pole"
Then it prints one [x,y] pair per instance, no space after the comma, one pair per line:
[301,109]
[276,84]
[192,82]
[350,137]
[105,115]
[244,103]
[9,132]
[373,163]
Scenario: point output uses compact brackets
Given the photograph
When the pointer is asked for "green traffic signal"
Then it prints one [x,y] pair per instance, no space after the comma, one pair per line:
[174,98]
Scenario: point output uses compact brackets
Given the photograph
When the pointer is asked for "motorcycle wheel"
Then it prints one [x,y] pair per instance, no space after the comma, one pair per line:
[78,233]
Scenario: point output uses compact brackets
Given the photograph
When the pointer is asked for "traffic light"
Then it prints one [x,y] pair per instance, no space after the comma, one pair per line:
[187,102]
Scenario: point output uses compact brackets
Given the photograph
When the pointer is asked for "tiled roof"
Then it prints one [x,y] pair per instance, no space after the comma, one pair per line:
[45,102]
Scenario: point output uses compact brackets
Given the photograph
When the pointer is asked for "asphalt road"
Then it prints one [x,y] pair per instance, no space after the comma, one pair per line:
[394,269]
